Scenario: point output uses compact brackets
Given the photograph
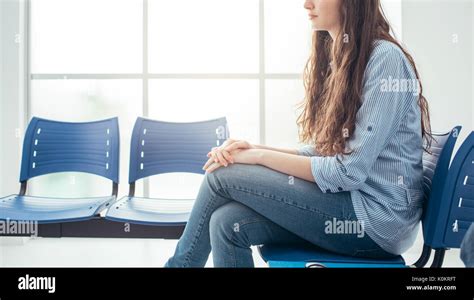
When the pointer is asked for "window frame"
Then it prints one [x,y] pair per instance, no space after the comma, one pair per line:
[145,75]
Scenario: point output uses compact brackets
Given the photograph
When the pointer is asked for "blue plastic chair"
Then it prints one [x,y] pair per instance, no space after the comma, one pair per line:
[51,147]
[159,147]
[450,212]
[435,170]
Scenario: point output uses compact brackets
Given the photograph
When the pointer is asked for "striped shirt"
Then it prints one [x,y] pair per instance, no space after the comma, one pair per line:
[384,171]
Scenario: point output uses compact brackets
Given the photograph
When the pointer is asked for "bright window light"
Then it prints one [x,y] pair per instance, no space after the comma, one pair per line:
[205,36]
[86,36]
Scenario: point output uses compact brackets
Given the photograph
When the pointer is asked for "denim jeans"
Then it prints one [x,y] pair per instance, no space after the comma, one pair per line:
[244,205]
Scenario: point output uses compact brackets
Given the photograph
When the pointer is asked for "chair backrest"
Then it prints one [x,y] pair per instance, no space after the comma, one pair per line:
[159,147]
[456,204]
[53,146]
[435,170]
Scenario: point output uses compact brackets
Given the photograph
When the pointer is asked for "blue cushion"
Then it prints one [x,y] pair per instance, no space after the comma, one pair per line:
[300,255]
[149,211]
[51,210]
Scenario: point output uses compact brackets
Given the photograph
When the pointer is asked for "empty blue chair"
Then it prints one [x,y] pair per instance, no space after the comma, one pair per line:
[435,170]
[51,147]
[159,147]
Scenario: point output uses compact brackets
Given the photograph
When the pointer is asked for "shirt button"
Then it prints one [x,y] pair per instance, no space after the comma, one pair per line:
[328,191]
[340,189]
[369,128]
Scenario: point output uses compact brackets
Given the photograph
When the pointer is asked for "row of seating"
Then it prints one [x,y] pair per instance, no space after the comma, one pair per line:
[448,213]
[157,147]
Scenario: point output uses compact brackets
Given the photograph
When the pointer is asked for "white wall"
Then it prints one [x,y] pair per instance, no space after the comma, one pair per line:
[439,35]
[11,97]
[393,11]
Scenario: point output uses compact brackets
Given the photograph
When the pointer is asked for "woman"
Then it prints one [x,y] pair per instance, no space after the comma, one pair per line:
[363,165]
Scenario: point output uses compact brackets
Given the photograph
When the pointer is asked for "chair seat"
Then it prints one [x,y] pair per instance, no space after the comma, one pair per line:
[151,211]
[51,210]
[307,255]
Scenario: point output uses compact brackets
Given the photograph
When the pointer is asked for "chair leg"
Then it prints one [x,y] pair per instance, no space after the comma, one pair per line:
[425,256]
[260,253]
[438,258]
[23,188]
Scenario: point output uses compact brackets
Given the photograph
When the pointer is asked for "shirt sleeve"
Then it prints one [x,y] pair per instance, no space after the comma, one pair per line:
[378,118]
[306,150]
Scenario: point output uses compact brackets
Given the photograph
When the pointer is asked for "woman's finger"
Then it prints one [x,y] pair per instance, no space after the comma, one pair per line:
[214,156]
[213,167]
[236,145]
[228,156]
[221,158]
[209,162]
[209,154]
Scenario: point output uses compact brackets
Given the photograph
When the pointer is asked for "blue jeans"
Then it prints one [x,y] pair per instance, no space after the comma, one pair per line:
[244,205]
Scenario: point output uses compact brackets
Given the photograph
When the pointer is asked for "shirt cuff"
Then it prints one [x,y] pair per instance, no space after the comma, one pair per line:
[326,174]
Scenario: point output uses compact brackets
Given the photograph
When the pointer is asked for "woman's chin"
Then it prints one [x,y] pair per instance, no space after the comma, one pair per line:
[317,26]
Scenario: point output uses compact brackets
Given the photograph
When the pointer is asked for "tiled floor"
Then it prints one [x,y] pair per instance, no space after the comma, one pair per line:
[99,252]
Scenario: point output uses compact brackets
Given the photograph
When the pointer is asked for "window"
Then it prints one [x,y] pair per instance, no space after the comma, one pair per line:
[171,60]
[86,36]
[205,36]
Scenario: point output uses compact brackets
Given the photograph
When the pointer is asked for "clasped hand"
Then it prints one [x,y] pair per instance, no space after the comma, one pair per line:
[230,152]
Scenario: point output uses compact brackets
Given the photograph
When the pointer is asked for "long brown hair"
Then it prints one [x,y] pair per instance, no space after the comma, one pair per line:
[333,94]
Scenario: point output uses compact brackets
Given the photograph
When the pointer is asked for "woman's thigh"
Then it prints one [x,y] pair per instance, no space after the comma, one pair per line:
[298,206]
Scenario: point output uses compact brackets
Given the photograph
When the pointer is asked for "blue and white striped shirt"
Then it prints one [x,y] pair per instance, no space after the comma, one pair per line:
[384,172]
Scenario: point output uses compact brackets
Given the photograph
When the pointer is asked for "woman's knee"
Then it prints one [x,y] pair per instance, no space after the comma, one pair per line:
[221,224]
[215,178]
[227,224]
[241,175]
[225,176]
